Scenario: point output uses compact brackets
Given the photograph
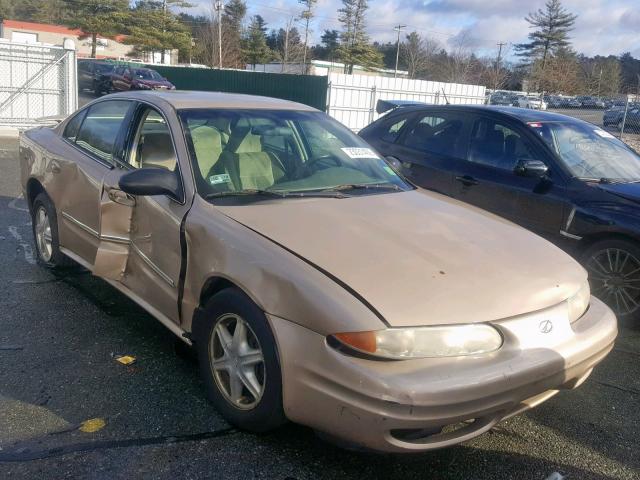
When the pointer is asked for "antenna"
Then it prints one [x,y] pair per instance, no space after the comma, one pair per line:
[445,97]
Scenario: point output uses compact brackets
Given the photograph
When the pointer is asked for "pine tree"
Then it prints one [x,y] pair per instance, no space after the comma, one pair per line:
[551,35]
[306,17]
[256,49]
[355,48]
[99,17]
[154,28]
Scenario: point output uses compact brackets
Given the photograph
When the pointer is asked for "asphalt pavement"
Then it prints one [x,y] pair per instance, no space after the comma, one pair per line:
[60,336]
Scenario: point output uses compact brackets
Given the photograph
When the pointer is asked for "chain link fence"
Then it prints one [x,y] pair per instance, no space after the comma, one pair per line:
[36,81]
[619,115]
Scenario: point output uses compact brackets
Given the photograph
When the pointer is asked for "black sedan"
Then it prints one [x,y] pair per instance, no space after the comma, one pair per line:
[563,178]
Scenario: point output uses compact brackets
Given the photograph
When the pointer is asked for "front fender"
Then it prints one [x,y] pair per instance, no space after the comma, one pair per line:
[279,282]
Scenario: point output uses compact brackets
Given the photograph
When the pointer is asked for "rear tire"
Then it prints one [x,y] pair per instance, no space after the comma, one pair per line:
[614,275]
[44,223]
[242,377]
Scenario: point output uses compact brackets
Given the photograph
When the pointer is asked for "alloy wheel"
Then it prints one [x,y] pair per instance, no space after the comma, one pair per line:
[614,275]
[43,234]
[237,362]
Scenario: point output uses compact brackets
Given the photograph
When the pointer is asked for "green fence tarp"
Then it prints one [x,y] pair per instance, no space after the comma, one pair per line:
[308,89]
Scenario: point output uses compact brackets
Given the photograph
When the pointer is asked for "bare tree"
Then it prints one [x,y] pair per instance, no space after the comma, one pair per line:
[306,17]
[458,65]
[419,54]
[207,37]
[288,48]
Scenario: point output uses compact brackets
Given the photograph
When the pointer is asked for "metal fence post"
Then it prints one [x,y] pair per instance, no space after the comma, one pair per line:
[372,106]
[624,116]
[328,98]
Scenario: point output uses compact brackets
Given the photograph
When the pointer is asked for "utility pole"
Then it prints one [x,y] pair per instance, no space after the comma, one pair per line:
[397,28]
[495,82]
[218,6]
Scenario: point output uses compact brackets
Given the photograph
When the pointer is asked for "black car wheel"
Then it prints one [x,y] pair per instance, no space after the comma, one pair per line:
[239,362]
[614,275]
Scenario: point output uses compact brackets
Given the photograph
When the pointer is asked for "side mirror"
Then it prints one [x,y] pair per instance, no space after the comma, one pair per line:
[531,168]
[152,181]
[395,163]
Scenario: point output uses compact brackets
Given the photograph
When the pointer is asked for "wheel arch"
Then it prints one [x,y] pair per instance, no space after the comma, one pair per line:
[213,285]
[590,240]
[33,189]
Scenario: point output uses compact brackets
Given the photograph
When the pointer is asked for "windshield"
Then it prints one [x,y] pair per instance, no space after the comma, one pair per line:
[145,74]
[236,151]
[590,152]
[103,67]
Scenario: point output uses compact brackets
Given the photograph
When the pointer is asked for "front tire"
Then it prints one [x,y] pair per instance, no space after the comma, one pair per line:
[239,362]
[44,223]
[614,275]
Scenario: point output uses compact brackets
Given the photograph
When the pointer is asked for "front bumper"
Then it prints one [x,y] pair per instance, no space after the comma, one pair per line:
[417,405]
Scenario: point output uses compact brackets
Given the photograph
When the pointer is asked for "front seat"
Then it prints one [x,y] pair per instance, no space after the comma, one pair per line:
[207,143]
[157,151]
[248,165]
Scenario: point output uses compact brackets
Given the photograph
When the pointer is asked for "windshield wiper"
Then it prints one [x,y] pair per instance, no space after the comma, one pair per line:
[362,186]
[608,181]
[268,193]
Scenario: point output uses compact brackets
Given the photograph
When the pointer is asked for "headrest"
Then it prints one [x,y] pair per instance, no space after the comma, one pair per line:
[157,147]
[221,123]
[243,141]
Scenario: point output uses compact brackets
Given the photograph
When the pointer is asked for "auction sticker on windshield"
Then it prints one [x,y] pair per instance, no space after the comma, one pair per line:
[354,152]
[603,133]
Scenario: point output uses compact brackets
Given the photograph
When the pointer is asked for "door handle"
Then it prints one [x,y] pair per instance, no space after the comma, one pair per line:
[118,196]
[467,180]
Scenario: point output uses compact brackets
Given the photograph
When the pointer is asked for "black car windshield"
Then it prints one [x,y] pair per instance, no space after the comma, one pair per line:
[146,74]
[236,152]
[590,152]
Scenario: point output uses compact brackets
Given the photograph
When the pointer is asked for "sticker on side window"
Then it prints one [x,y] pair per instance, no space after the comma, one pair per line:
[603,133]
[353,152]
[217,179]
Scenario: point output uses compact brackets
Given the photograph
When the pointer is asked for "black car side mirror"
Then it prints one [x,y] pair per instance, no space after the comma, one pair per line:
[152,181]
[531,168]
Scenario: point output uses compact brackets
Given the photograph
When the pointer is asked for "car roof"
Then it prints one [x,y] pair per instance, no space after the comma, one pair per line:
[180,99]
[523,114]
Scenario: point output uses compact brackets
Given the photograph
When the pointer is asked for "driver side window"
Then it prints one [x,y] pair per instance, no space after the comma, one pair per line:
[152,146]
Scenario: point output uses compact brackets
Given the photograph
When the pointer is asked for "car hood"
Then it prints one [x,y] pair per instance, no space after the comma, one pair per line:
[420,258]
[155,83]
[628,191]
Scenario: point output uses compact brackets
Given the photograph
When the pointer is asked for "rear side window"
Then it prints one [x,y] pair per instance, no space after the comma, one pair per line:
[100,128]
[390,132]
[71,130]
[436,133]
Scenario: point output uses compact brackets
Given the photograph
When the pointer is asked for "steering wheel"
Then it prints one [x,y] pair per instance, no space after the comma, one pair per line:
[327,156]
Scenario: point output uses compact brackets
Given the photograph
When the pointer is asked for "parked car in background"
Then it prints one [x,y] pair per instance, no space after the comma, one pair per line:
[613,117]
[532,101]
[135,78]
[94,75]
[631,121]
[220,215]
[501,98]
[561,177]
[590,102]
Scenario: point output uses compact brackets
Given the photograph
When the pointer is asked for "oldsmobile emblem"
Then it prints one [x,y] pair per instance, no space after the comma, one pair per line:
[545,326]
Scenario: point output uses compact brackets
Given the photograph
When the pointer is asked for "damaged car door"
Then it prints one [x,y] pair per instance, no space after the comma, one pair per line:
[140,247]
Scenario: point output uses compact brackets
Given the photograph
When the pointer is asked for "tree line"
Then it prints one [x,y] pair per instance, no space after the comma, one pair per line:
[225,36]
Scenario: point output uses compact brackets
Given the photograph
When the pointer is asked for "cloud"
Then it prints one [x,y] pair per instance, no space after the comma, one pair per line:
[603,27]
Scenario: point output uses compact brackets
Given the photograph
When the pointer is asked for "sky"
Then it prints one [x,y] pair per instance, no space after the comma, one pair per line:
[603,27]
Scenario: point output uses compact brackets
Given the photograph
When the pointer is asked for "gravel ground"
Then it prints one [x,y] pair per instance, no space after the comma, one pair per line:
[58,340]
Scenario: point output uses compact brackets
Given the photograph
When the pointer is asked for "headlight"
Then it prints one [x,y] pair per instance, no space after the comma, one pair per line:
[424,342]
[579,302]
